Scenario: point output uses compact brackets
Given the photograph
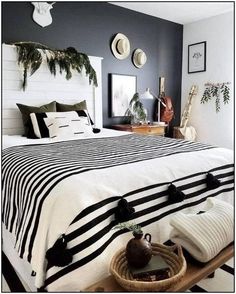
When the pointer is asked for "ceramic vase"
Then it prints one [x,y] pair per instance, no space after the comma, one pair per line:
[139,250]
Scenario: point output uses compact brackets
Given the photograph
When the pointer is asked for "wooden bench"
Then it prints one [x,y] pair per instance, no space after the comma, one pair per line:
[195,272]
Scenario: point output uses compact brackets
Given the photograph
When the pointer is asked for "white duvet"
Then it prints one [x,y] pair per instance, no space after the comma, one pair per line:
[16,140]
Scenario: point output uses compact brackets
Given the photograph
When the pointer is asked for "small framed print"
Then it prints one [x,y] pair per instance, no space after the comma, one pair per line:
[123,88]
[197,57]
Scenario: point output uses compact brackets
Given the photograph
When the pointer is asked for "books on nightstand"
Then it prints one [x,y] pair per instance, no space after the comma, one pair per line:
[156,269]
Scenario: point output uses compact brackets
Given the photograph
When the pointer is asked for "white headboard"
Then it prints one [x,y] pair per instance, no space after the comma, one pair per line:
[42,88]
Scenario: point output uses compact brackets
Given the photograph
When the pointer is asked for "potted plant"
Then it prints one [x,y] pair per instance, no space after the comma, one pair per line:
[136,111]
[136,229]
[138,249]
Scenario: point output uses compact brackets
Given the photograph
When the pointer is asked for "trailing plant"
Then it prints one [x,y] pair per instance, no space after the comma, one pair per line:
[215,91]
[136,111]
[129,226]
[31,56]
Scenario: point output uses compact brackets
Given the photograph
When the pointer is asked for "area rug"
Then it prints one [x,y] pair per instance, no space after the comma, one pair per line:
[223,280]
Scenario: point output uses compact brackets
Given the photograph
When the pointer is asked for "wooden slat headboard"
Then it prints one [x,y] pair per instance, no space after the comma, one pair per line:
[43,88]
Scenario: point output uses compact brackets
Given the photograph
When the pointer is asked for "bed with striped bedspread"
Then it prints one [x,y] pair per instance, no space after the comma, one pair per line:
[73,188]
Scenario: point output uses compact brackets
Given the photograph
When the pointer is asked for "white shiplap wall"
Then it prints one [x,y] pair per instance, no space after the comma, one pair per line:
[43,88]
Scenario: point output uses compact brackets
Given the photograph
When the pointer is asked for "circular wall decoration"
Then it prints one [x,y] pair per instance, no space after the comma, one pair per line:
[120,46]
[139,58]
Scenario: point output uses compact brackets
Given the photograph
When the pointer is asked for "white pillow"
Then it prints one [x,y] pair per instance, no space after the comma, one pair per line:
[79,124]
[59,128]
[66,128]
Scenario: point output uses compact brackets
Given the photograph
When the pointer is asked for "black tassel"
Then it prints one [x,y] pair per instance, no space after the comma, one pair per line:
[123,211]
[58,255]
[212,182]
[175,195]
[96,130]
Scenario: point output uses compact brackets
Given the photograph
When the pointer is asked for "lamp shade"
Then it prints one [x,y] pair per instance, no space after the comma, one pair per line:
[147,94]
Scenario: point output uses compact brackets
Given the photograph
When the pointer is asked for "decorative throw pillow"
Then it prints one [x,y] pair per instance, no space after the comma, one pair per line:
[59,128]
[62,128]
[25,112]
[74,107]
[77,121]
[39,126]
[81,126]
[67,107]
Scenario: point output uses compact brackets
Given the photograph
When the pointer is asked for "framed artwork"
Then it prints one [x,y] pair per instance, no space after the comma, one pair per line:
[123,88]
[197,57]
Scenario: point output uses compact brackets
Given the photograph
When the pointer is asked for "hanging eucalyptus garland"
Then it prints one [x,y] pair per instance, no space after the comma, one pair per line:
[214,91]
[31,55]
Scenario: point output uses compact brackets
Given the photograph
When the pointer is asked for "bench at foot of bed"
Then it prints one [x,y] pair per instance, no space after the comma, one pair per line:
[195,272]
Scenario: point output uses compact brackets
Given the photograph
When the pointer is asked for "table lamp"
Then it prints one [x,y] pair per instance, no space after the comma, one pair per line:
[148,95]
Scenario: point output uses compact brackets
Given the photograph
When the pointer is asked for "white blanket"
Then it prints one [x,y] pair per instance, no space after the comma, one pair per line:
[101,177]
[205,235]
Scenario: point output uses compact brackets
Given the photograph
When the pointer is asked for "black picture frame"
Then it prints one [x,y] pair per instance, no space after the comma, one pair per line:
[197,57]
[123,88]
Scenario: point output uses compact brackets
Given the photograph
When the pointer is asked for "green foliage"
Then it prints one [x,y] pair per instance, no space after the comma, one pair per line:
[129,226]
[136,111]
[225,91]
[214,91]
[30,56]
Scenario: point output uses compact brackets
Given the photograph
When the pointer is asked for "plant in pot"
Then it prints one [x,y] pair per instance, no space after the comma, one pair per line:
[138,249]
[136,111]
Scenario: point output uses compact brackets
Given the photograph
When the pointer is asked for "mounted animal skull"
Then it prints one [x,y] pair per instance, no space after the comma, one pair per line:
[41,14]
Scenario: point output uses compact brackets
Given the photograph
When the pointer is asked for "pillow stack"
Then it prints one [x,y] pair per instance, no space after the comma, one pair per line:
[56,120]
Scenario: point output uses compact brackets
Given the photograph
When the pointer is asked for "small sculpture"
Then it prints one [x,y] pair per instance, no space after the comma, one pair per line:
[41,14]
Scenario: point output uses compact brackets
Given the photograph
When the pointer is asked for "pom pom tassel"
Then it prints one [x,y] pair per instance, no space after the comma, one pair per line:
[123,211]
[175,195]
[96,130]
[58,254]
[212,182]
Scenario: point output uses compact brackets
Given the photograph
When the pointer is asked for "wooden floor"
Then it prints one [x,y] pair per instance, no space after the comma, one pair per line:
[195,272]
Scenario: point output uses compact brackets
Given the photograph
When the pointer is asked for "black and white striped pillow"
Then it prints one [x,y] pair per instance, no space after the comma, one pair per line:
[78,123]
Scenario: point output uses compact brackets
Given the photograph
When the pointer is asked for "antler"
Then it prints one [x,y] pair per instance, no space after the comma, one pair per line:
[52,4]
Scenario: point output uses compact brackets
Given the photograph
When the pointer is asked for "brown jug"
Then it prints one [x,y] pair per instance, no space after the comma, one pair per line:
[139,250]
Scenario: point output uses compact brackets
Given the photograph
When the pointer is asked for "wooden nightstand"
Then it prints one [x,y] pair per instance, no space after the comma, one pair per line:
[142,129]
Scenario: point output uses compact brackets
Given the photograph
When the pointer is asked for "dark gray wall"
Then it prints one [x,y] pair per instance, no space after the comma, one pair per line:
[90,26]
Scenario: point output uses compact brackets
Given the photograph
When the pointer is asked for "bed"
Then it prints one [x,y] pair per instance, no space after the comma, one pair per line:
[72,188]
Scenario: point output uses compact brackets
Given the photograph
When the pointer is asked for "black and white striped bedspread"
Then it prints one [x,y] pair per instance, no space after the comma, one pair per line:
[73,187]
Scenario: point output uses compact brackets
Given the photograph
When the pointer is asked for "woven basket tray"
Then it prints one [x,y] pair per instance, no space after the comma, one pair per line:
[176,262]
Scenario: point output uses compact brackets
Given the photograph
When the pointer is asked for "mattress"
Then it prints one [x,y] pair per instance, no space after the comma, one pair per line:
[73,188]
